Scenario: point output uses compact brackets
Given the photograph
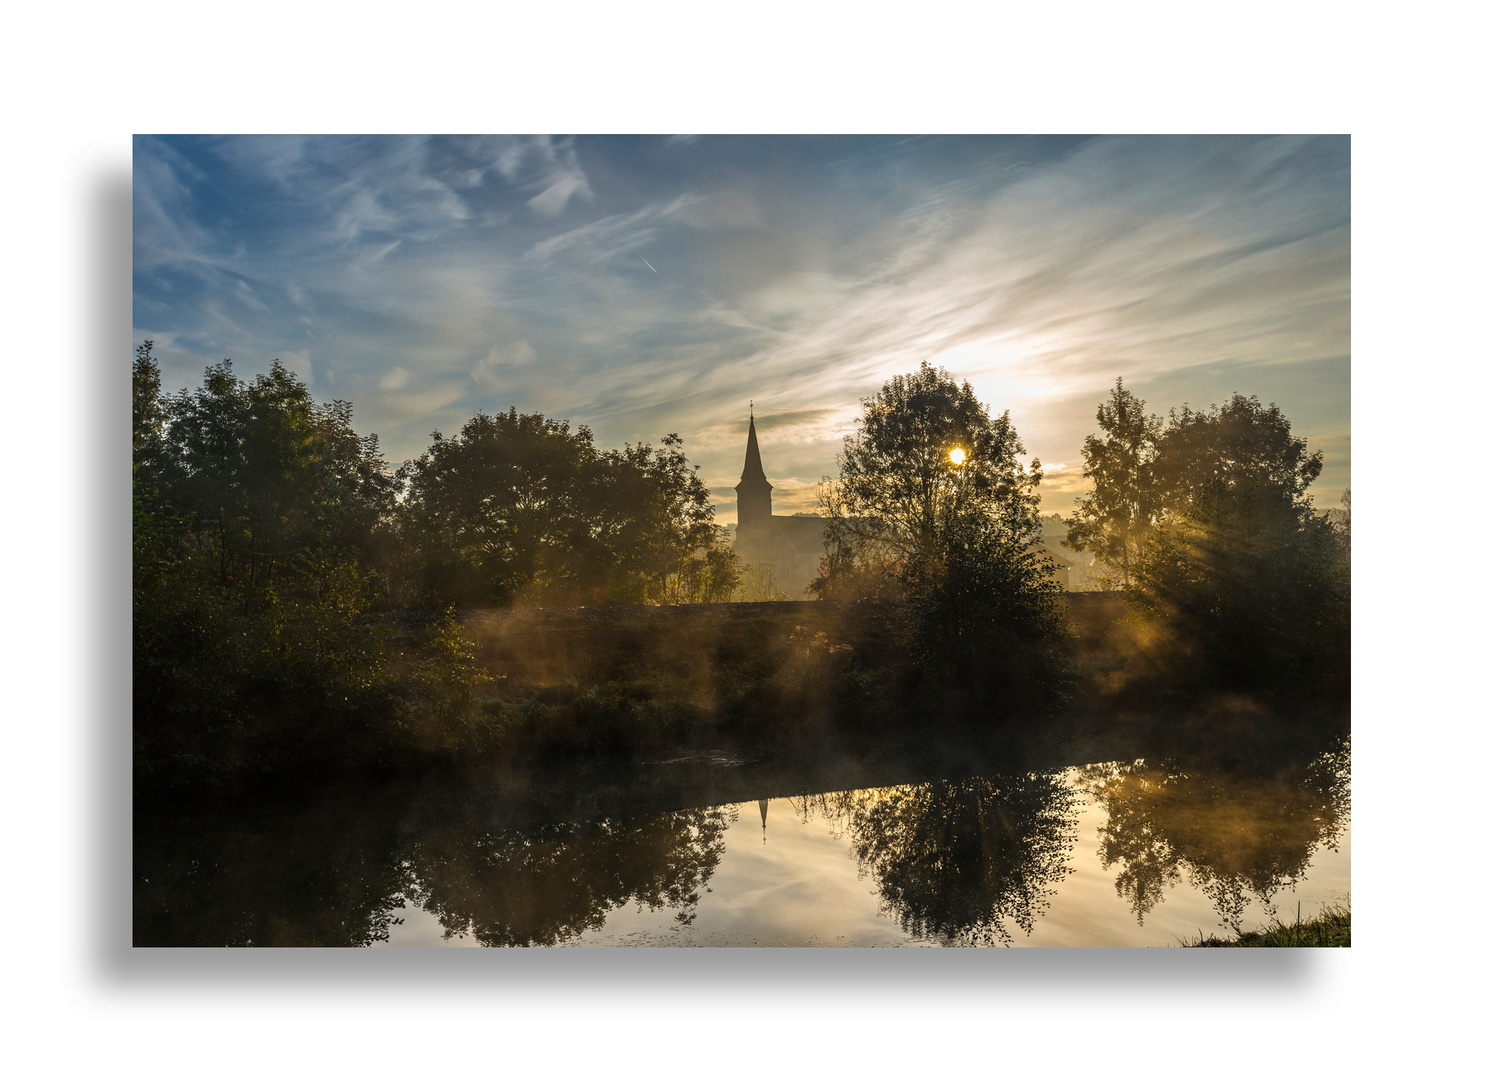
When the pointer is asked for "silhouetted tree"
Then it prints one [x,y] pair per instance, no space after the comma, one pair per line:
[254,509]
[953,536]
[899,491]
[523,507]
[502,507]
[1113,520]
[263,473]
[1239,562]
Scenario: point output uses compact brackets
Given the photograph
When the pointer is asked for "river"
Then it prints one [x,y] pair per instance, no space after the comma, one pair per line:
[1139,852]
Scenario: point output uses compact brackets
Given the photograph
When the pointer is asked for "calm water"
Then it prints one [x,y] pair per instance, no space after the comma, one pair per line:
[1137,853]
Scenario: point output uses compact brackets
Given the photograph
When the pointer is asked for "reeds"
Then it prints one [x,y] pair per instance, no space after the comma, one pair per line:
[1331,929]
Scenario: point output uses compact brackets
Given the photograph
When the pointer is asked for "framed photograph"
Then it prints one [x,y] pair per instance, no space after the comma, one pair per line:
[677,540]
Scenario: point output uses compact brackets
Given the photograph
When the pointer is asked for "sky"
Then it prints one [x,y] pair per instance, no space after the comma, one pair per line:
[642,285]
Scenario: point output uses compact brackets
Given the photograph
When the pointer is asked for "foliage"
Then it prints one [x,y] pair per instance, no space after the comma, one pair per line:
[954,539]
[899,491]
[1205,521]
[501,508]
[253,650]
[1331,929]
[259,471]
[1239,562]
[267,533]
[1114,519]
[521,508]
[984,620]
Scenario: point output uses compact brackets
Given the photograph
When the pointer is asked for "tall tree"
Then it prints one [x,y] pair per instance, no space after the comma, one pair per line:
[1238,562]
[1114,519]
[521,507]
[150,411]
[266,474]
[933,504]
[926,457]
[503,507]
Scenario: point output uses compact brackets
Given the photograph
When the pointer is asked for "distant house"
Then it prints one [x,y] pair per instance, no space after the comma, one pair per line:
[783,553]
[1061,568]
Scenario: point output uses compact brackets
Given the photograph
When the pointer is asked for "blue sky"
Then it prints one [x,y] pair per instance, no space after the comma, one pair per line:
[642,285]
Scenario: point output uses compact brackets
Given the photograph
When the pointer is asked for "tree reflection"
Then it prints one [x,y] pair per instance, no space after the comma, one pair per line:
[551,883]
[329,876]
[959,859]
[336,873]
[1234,834]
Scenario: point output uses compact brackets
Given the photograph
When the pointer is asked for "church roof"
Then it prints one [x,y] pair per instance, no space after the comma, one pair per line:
[805,533]
[753,463]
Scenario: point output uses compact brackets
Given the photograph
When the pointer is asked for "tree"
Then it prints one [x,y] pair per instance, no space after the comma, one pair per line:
[900,492]
[265,474]
[1238,563]
[657,540]
[149,419]
[502,507]
[932,504]
[1113,521]
[521,507]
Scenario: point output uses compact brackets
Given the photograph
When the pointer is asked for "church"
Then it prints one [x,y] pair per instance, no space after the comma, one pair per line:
[782,554]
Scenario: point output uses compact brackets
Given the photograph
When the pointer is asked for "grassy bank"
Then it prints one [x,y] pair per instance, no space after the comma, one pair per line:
[1330,929]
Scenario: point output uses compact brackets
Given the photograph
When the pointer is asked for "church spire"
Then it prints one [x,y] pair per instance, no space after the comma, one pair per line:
[753,461]
[754,492]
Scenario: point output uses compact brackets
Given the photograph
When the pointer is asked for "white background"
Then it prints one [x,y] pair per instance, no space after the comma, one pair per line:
[78,81]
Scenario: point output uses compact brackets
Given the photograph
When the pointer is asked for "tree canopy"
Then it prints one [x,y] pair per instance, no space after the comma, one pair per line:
[934,506]
[900,494]
[1113,520]
[522,507]
[1205,519]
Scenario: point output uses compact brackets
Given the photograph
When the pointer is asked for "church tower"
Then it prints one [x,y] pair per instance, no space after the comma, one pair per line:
[754,493]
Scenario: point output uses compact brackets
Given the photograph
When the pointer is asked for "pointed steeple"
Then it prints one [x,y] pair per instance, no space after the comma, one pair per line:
[754,492]
[753,462]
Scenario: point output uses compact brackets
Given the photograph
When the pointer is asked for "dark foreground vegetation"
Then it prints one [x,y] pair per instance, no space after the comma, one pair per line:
[517,596]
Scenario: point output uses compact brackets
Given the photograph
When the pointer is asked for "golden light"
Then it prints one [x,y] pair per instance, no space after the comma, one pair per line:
[956,455]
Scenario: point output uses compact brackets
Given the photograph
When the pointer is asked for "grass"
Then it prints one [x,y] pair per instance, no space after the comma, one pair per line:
[1331,929]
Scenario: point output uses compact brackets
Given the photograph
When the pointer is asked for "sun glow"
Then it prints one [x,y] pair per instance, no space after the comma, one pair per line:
[956,455]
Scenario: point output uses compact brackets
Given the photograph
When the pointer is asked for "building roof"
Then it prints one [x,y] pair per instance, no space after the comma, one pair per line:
[753,463]
[805,533]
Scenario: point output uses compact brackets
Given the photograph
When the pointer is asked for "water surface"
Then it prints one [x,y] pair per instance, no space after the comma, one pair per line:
[1134,853]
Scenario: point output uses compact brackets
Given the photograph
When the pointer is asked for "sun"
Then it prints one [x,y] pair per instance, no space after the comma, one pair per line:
[956,455]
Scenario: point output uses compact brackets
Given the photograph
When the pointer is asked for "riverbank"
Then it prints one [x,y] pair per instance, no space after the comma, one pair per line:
[1331,929]
[622,686]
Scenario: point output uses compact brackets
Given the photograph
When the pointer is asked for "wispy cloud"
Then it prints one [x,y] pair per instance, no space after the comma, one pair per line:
[488,272]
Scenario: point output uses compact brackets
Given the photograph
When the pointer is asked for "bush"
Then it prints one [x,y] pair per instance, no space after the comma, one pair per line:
[984,619]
